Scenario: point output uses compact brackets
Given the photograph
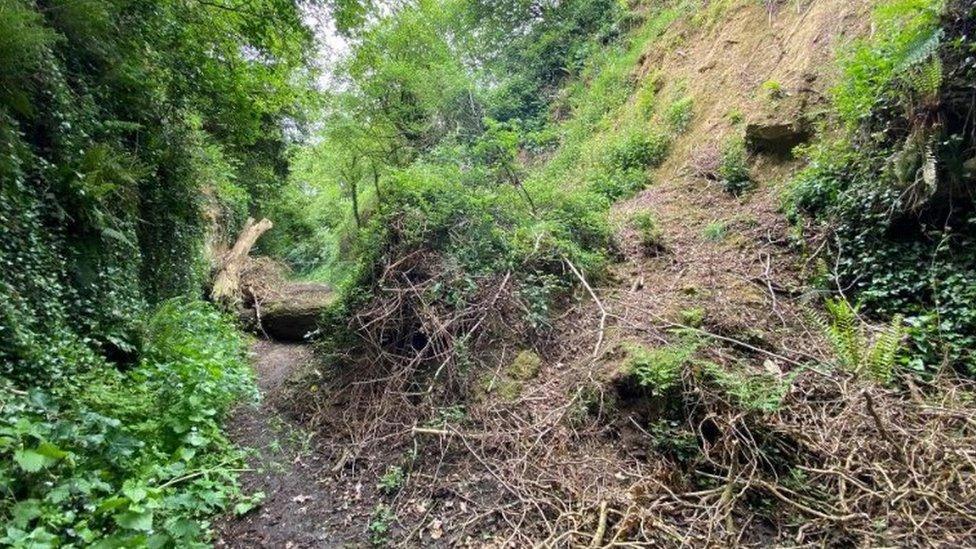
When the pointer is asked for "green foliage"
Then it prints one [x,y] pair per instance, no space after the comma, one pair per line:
[525,366]
[759,392]
[773,90]
[647,94]
[855,347]
[379,524]
[680,113]
[734,167]
[881,68]
[131,134]
[638,151]
[392,480]
[715,231]
[670,438]
[735,116]
[127,458]
[893,188]
[659,370]
[533,47]
[650,233]
[693,317]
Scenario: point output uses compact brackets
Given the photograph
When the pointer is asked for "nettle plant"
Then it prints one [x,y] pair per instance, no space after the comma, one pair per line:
[124,459]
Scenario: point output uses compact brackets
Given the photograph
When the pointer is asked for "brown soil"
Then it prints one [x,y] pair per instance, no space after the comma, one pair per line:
[306,504]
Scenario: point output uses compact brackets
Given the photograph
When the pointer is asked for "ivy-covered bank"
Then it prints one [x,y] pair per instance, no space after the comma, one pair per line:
[896,191]
[132,135]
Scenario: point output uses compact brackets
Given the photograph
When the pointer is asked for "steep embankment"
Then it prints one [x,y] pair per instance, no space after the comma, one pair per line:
[689,398]
[733,263]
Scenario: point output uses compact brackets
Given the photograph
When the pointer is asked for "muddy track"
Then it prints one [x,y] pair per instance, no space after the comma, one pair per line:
[302,507]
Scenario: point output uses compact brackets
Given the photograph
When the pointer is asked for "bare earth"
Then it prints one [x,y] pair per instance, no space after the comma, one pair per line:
[303,507]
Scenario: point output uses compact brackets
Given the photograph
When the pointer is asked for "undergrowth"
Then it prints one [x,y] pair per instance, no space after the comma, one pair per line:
[893,193]
[112,458]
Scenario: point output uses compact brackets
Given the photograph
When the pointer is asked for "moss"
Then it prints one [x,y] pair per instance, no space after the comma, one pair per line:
[693,317]
[525,366]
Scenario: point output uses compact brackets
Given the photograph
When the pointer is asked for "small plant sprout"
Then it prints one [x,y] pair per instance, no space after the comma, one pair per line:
[715,231]
[379,524]
[735,116]
[773,90]
[391,481]
[693,317]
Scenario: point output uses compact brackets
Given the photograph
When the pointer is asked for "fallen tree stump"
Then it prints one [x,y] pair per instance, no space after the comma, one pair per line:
[226,289]
[292,313]
[259,291]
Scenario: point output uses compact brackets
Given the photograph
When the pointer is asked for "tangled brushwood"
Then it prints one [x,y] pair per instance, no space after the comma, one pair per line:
[481,371]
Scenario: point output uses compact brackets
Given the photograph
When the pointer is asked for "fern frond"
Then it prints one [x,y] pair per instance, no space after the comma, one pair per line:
[845,334]
[881,359]
[920,49]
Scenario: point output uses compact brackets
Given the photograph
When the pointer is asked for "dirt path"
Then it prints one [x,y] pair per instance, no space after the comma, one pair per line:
[303,506]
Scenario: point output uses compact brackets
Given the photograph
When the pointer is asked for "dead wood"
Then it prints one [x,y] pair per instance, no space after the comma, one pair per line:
[227,282]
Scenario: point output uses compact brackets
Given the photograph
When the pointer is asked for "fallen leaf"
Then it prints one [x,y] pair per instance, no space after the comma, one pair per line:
[435,529]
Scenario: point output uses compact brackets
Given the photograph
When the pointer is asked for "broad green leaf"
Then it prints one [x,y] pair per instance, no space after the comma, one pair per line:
[132,520]
[25,511]
[30,461]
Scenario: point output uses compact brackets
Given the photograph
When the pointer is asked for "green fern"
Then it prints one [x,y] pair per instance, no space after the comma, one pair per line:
[884,352]
[844,333]
[856,349]
[920,49]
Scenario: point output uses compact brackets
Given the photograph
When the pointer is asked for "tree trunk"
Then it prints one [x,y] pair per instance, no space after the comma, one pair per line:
[355,204]
[227,283]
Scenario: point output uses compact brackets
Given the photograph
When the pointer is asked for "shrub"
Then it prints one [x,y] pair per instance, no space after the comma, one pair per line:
[618,184]
[117,457]
[735,116]
[659,370]
[680,113]
[639,151]
[909,33]
[734,168]
[693,317]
